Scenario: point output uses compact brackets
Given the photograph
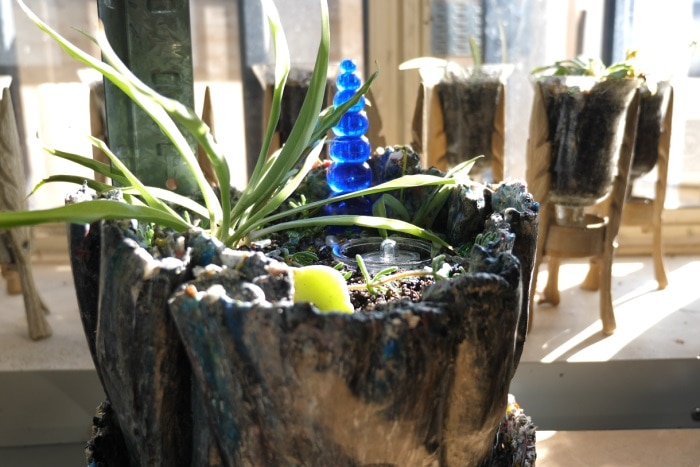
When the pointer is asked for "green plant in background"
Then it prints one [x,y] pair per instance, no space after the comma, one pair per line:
[439,269]
[256,212]
[454,70]
[375,284]
[586,66]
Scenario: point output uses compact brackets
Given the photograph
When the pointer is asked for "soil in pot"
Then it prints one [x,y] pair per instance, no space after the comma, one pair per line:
[469,110]
[586,120]
[652,111]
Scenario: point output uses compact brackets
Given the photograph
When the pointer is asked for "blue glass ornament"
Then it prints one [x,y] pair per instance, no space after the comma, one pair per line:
[356,206]
[352,124]
[345,177]
[347,79]
[343,96]
[350,149]
[348,65]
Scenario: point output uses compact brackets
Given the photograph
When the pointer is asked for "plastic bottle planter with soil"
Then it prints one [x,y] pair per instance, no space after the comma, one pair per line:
[469,102]
[652,111]
[294,93]
[586,119]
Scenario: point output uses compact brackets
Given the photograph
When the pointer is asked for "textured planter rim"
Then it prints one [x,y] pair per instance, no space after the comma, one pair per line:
[122,250]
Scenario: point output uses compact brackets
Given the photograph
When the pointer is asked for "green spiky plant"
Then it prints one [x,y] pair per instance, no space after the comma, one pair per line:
[274,178]
[586,66]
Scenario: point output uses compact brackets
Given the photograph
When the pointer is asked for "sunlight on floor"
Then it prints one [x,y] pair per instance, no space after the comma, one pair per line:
[632,317]
[619,448]
[571,331]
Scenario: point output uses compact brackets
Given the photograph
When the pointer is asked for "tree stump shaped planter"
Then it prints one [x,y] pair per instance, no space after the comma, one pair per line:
[411,384]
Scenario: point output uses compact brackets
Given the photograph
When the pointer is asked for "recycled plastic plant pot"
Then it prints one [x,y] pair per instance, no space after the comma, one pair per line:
[652,112]
[295,91]
[469,106]
[412,383]
[586,119]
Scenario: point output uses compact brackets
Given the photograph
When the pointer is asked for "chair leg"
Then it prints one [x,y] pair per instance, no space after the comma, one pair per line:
[593,278]
[607,312]
[550,294]
[13,285]
[660,270]
[533,289]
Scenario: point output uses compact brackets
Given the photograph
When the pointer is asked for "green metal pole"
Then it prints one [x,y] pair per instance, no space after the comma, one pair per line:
[152,37]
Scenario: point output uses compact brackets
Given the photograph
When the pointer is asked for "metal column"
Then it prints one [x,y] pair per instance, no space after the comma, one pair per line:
[153,39]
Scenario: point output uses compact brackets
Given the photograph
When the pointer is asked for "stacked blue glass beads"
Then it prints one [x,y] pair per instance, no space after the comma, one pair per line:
[350,149]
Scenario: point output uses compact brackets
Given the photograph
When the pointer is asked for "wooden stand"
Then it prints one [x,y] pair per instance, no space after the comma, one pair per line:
[647,213]
[596,235]
[15,248]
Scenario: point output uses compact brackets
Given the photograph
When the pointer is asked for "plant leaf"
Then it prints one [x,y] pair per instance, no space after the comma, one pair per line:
[284,192]
[92,184]
[147,196]
[155,105]
[436,199]
[135,90]
[362,221]
[300,140]
[173,198]
[397,206]
[406,181]
[332,115]
[87,212]
[100,167]
[282,67]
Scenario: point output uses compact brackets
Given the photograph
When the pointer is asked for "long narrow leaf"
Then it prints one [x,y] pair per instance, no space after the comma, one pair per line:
[305,125]
[149,106]
[282,67]
[299,140]
[143,96]
[92,164]
[99,187]
[76,179]
[332,115]
[90,211]
[173,198]
[282,194]
[171,111]
[407,181]
[397,206]
[379,210]
[362,221]
[438,196]
[147,196]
